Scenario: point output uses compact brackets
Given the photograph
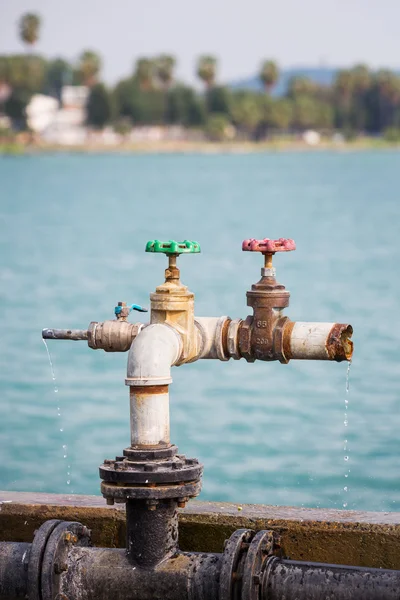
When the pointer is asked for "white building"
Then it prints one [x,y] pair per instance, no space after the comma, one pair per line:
[63,125]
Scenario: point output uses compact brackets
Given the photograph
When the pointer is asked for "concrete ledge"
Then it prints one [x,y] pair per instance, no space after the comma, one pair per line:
[343,537]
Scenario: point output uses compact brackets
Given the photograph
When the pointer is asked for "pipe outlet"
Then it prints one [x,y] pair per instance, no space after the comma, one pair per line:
[152,353]
[317,341]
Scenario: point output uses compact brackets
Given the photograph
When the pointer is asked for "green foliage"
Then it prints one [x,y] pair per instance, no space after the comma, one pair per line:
[29,26]
[246,111]
[98,107]
[184,107]
[58,73]
[123,125]
[219,100]
[164,69]
[392,134]
[280,114]
[269,74]
[144,73]
[142,106]
[301,86]
[358,101]
[15,105]
[89,67]
[206,69]
[219,128]
[24,71]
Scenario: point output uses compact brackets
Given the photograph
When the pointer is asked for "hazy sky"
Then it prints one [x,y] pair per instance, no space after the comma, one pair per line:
[239,33]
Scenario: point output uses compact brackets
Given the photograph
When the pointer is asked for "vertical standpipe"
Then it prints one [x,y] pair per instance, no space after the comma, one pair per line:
[152,353]
[149,407]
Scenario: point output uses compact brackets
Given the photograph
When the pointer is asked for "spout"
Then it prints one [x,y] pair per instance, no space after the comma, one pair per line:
[65,334]
[317,341]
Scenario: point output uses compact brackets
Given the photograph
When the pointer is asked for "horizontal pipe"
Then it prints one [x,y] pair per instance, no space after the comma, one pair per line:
[317,341]
[213,331]
[295,580]
[14,558]
[65,334]
[101,574]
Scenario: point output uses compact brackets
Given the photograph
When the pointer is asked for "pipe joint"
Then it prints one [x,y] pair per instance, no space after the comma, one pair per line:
[152,354]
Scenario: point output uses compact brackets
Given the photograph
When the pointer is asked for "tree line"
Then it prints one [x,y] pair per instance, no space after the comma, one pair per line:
[359,100]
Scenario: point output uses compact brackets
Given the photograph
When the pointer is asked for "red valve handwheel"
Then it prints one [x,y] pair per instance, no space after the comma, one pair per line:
[268,246]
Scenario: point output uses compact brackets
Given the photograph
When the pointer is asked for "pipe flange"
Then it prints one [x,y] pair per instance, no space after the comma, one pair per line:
[62,538]
[219,338]
[178,469]
[139,454]
[233,339]
[36,554]
[244,338]
[278,340]
[261,547]
[230,576]
[114,492]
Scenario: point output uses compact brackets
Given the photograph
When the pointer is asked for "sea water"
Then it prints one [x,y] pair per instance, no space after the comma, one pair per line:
[73,233]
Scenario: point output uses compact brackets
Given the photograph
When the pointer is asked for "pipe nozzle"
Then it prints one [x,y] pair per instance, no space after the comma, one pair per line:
[318,341]
[65,334]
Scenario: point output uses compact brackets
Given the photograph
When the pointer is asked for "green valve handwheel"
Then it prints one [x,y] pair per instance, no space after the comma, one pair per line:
[173,247]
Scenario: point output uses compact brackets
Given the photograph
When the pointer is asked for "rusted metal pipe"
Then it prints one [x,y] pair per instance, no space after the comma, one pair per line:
[65,334]
[111,336]
[101,574]
[151,535]
[317,341]
[14,558]
[295,580]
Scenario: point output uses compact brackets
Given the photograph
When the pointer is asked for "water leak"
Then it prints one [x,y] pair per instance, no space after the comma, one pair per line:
[61,428]
[346,423]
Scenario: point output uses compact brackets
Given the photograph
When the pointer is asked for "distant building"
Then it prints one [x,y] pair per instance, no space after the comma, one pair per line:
[41,112]
[57,124]
[74,96]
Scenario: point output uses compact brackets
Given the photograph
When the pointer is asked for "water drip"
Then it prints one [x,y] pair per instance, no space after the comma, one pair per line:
[61,428]
[346,423]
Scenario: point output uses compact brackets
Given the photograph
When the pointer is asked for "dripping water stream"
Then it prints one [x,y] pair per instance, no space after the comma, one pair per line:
[59,415]
[345,447]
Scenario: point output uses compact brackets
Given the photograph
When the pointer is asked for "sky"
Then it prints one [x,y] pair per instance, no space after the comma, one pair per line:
[240,33]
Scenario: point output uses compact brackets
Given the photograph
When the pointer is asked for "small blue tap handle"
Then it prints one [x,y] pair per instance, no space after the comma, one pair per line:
[138,308]
[118,309]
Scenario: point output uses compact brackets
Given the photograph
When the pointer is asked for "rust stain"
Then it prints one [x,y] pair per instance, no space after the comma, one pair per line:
[338,344]
[224,336]
[149,390]
[287,335]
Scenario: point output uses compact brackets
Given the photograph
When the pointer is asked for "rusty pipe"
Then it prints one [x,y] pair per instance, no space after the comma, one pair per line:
[65,334]
[112,336]
[317,341]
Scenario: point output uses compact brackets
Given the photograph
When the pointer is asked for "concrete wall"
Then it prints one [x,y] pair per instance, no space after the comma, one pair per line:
[341,537]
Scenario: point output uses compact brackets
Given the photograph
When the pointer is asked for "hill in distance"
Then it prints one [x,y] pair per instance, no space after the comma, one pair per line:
[321,75]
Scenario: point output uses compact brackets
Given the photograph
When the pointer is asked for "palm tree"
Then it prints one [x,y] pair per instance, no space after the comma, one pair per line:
[206,69]
[301,86]
[362,81]
[29,26]
[164,66]
[269,74]
[89,67]
[144,72]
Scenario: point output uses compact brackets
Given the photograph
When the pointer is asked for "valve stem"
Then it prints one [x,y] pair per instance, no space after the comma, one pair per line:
[268,261]
[172,273]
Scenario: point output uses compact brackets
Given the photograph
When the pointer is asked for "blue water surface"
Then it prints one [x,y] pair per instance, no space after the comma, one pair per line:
[73,232]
